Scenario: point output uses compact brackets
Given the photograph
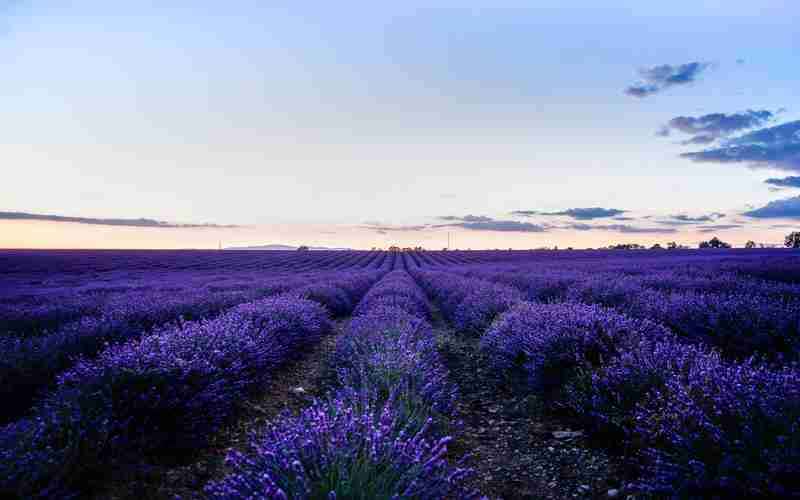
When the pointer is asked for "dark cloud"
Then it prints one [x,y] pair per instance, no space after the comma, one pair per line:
[658,78]
[504,226]
[776,147]
[587,213]
[717,227]
[788,208]
[708,128]
[146,223]
[621,228]
[483,223]
[786,182]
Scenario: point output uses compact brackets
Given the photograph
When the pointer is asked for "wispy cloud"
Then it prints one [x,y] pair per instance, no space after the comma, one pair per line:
[708,128]
[388,228]
[658,78]
[717,227]
[142,222]
[466,218]
[788,208]
[683,219]
[575,213]
[621,228]
[776,147]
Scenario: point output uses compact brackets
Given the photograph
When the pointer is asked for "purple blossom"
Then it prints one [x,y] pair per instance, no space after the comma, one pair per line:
[548,343]
[349,447]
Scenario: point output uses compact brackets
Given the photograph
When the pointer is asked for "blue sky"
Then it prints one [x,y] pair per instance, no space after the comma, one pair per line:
[350,124]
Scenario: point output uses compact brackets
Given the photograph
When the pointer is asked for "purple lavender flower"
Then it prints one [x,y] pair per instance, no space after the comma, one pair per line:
[721,430]
[549,342]
[349,447]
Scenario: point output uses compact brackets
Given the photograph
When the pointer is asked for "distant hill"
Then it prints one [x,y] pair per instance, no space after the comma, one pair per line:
[279,247]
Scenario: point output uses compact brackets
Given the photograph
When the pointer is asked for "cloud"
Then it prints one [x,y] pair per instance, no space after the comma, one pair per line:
[658,78]
[717,227]
[145,223]
[587,213]
[682,219]
[482,223]
[776,147]
[511,226]
[621,228]
[466,218]
[708,128]
[788,208]
[387,228]
[786,182]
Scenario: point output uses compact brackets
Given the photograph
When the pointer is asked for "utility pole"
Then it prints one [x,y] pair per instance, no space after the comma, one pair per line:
[448,240]
[220,244]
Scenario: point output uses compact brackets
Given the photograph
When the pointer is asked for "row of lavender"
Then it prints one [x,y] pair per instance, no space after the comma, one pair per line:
[689,422]
[165,392]
[29,365]
[739,315]
[381,434]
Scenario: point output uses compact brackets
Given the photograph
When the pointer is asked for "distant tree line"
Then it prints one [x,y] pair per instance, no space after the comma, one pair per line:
[714,243]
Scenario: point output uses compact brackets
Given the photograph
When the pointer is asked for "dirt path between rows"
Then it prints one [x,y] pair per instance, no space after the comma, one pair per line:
[282,393]
[510,439]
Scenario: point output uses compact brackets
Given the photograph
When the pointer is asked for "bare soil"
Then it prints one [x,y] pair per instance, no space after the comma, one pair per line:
[510,437]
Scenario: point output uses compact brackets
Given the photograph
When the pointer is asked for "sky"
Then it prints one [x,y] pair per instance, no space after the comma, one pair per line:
[351,124]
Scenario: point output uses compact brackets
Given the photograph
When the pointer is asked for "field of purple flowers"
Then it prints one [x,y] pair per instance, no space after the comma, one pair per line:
[680,366]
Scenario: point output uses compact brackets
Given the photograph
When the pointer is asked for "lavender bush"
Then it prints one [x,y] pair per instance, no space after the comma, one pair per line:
[549,343]
[390,351]
[607,398]
[722,430]
[329,295]
[397,289]
[351,447]
[480,307]
[739,325]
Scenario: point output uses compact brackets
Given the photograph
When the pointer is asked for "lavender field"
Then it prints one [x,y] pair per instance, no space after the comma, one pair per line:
[425,375]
